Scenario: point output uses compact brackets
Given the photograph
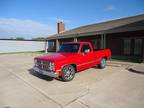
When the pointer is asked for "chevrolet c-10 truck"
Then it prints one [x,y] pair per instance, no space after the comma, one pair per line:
[72,57]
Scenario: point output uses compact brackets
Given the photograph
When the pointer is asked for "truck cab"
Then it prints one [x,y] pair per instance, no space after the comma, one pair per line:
[72,57]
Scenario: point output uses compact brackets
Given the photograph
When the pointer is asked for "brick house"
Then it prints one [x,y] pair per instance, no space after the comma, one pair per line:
[125,36]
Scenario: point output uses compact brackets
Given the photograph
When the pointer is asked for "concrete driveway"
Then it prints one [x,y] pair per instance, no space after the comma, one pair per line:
[112,87]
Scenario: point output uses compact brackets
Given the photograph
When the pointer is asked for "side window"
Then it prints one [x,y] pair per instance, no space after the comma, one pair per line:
[86,48]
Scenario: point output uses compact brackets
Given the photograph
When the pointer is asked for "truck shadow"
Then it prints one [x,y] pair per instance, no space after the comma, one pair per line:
[135,71]
[43,77]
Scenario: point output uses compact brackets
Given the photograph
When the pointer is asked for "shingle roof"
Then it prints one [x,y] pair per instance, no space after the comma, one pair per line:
[118,25]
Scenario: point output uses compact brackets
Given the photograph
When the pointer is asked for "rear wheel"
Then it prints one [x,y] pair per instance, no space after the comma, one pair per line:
[102,64]
[68,73]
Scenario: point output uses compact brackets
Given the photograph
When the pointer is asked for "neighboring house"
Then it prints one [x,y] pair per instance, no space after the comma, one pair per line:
[125,36]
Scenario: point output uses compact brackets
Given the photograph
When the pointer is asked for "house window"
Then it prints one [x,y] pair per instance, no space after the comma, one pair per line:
[127,46]
[138,46]
[51,44]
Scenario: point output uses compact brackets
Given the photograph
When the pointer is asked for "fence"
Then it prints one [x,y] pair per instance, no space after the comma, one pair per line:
[7,46]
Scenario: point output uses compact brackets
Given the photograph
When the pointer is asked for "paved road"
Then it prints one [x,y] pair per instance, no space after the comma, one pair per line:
[113,87]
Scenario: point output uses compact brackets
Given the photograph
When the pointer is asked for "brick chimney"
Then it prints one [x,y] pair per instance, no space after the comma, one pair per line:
[60,27]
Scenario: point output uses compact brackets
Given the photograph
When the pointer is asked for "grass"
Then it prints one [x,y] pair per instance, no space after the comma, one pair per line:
[113,58]
[126,59]
[31,52]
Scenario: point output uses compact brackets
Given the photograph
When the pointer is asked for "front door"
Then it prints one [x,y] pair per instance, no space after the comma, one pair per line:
[137,47]
[133,47]
[127,46]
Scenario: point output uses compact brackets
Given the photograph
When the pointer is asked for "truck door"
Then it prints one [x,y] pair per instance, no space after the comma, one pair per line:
[86,58]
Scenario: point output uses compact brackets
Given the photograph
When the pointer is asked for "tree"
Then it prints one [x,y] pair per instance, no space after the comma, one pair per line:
[39,38]
[20,38]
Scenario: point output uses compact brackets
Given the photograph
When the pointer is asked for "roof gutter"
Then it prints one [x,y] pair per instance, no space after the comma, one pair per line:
[75,35]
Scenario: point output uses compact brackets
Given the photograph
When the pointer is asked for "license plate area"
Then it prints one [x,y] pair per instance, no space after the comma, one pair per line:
[43,65]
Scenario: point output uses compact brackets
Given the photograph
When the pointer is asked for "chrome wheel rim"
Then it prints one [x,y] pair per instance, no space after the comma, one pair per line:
[103,62]
[69,73]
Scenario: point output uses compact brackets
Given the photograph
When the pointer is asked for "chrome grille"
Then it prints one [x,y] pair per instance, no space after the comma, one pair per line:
[44,65]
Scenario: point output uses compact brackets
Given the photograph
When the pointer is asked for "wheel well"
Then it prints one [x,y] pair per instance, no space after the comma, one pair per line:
[105,57]
[74,65]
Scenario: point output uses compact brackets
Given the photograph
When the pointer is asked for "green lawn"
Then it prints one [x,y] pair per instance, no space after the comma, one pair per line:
[113,58]
[126,59]
[33,52]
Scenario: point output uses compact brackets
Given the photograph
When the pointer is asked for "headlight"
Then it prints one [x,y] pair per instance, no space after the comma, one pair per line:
[51,66]
[35,62]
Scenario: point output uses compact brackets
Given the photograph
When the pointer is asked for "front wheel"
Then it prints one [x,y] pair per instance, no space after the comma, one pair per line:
[68,73]
[102,64]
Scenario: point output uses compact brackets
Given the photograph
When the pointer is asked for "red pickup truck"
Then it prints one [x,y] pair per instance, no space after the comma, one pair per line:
[71,58]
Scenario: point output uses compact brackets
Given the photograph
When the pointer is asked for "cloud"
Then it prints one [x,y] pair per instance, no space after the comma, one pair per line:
[110,8]
[56,19]
[11,27]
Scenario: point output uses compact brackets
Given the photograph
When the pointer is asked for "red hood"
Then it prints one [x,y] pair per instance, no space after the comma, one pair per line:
[55,57]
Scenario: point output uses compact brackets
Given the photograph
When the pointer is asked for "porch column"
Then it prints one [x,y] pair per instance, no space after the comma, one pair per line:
[46,46]
[143,51]
[104,41]
[57,44]
[101,41]
[75,39]
[143,56]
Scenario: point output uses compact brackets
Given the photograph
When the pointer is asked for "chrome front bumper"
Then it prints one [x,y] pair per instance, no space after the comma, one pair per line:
[51,74]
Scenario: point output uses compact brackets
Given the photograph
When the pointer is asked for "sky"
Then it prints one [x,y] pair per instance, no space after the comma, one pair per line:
[38,18]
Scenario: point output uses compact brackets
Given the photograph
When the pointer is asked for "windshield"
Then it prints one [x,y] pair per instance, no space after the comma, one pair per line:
[70,48]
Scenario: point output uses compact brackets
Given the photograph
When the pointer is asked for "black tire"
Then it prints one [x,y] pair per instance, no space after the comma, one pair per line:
[68,73]
[102,64]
